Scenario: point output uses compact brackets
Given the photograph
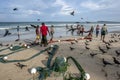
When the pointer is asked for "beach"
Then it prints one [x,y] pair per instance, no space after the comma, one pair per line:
[91,64]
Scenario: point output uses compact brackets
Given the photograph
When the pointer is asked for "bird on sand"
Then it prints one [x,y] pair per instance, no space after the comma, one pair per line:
[102,50]
[108,47]
[116,61]
[106,62]
[20,65]
[92,55]
[86,43]
[87,47]
[71,48]
[117,52]
[72,43]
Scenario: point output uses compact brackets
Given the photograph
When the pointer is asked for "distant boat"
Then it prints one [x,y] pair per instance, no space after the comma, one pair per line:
[88,22]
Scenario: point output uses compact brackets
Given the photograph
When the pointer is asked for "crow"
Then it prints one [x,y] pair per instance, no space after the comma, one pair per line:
[116,61]
[72,13]
[105,62]
[117,52]
[86,43]
[87,47]
[15,9]
[20,65]
[116,40]
[103,51]
[108,47]
[107,43]
[72,43]
[92,55]
[71,48]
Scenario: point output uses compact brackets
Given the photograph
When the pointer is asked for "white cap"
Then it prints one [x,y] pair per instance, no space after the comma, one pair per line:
[33,70]
[87,76]
[5,58]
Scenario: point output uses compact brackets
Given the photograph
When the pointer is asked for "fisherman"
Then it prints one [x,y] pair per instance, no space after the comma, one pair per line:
[103,32]
[97,30]
[18,31]
[26,28]
[37,30]
[43,30]
[51,32]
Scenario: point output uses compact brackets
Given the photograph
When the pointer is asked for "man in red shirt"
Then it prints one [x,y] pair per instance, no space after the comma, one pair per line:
[43,31]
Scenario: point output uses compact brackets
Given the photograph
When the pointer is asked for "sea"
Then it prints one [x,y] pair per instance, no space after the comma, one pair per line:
[59,27]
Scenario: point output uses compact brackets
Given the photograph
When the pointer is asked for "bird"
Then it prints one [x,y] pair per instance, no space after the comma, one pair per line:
[6,32]
[14,9]
[117,52]
[115,40]
[92,55]
[106,62]
[107,43]
[20,65]
[87,47]
[71,48]
[81,18]
[72,43]
[72,13]
[116,61]
[86,43]
[108,47]
[103,51]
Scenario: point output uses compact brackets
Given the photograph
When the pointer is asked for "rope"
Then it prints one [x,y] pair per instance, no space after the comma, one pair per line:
[9,61]
[3,49]
[79,68]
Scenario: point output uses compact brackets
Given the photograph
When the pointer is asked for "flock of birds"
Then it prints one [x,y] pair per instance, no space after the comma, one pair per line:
[103,50]
[115,38]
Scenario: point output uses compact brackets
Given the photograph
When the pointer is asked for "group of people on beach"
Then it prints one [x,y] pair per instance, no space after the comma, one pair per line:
[81,30]
[41,33]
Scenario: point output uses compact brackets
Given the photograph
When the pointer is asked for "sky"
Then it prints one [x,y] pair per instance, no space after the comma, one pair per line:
[59,10]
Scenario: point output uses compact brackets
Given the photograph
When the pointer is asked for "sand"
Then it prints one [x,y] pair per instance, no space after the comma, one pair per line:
[93,66]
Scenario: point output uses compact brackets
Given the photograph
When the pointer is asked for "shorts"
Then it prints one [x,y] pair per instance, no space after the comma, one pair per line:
[103,33]
[37,36]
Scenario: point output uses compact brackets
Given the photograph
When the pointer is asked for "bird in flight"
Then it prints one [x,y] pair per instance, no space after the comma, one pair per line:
[15,9]
[72,13]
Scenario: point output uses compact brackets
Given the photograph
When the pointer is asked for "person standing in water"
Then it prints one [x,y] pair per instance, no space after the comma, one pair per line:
[37,30]
[43,31]
[51,32]
[97,30]
[18,32]
[103,32]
